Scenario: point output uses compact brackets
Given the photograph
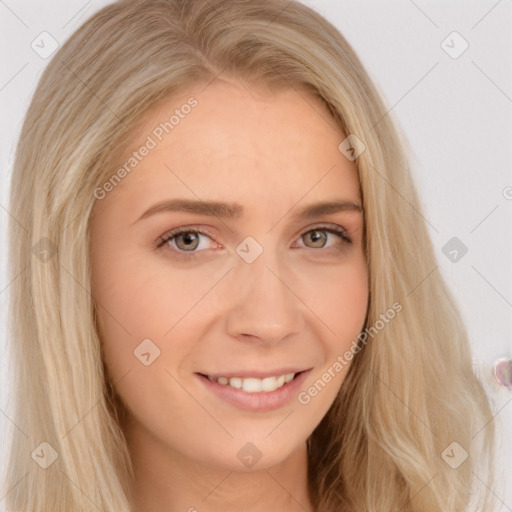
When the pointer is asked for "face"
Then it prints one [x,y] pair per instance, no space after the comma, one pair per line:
[262,283]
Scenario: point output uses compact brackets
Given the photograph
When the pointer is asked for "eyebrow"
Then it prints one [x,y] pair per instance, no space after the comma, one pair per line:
[236,210]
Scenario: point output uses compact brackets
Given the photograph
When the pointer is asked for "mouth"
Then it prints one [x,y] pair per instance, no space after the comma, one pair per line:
[257,394]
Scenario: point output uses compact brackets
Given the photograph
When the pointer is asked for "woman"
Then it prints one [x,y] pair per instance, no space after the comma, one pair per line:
[227,295]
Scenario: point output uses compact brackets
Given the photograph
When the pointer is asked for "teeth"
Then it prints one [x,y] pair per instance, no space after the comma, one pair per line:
[268,384]
[253,385]
[235,382]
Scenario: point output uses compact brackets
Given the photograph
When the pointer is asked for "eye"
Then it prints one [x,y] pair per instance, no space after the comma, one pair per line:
[319,236]
[186,242]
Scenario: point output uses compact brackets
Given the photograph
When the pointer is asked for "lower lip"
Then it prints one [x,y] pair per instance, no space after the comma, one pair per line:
[257,402]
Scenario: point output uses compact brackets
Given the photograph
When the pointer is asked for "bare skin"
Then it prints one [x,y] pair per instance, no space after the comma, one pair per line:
[299,304]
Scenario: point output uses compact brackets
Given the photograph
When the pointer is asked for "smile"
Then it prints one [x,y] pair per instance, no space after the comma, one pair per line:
[256,394]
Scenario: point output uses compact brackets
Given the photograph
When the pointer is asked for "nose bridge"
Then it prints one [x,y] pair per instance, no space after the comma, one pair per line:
[262,303]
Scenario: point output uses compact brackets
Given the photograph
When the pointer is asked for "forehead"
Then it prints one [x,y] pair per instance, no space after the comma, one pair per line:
[244,143]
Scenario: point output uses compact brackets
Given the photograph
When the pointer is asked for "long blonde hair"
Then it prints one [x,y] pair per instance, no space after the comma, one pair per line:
[410,392]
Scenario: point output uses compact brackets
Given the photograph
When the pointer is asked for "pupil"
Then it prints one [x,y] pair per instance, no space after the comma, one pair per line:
[189,239]
[316,236]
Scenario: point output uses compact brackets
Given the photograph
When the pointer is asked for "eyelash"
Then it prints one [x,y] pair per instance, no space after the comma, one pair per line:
[188,255]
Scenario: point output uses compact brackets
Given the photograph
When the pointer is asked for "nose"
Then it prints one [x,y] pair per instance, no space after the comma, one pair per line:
[263,304]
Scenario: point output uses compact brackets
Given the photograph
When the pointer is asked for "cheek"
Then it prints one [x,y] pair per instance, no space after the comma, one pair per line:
[338,295]
[127,309]
[341,308]
[138,299]
[144,293]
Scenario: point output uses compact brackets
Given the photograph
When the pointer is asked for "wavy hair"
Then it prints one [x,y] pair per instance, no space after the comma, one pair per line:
[409,393]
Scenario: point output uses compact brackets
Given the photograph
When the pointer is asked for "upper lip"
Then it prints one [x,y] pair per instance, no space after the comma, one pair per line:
[244,374]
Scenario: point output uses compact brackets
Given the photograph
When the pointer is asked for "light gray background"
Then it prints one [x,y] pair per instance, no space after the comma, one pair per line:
[456,112]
